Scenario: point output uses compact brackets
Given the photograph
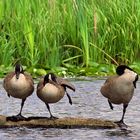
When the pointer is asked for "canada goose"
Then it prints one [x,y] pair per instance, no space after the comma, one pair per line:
[18,85]
[51,89]
[119,89]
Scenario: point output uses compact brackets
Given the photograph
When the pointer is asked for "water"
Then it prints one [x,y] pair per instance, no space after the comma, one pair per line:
[87,102]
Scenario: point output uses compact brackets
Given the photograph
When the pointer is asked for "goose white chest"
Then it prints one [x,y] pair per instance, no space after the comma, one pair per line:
[19,88]
[51,94]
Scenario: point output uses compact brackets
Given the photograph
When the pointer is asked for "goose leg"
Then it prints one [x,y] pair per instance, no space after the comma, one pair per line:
[124,110]
[18,117]
[22,104]
[51,116]
[121,122]
[110,104]
[70,101]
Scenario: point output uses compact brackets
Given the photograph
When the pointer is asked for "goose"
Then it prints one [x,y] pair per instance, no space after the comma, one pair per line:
[18,84]
[119,89]
[51,89]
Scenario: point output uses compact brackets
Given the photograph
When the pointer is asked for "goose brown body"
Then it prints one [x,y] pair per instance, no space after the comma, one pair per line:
[119,89]
[50,92]
[18,88]
[18,84]
[51,89]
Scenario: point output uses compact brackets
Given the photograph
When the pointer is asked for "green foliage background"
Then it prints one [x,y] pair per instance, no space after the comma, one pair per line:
[76,37]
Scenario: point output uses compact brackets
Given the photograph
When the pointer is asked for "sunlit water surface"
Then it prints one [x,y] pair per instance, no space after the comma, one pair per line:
[87,102]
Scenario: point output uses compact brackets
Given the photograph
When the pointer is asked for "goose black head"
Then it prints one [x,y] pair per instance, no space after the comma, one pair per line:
[49,76]
[121,69]
[18,70]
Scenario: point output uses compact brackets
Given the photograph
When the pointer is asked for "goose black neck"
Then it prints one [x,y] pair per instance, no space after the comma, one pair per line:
[121,69]
[18,70]
[49,76]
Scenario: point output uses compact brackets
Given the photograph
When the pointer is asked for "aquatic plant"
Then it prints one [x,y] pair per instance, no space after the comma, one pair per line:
[75,34]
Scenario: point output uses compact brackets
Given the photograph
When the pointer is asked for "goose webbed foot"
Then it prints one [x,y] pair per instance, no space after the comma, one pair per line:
[121,124]
[16,118]
[53,117]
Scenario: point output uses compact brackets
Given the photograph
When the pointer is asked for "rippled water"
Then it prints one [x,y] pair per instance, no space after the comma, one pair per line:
[87,102]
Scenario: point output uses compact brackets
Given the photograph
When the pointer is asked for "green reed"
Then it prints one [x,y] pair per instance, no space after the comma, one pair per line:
[76,33]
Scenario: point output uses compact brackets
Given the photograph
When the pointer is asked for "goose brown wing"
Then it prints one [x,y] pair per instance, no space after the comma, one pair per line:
[65,83]
[29,77]
[30,81]
[111,78]
[7,79]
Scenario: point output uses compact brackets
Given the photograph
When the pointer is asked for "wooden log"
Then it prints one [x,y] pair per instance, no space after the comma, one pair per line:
[67,122]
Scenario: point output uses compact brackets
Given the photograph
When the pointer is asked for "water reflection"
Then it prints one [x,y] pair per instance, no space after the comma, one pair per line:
[119,133]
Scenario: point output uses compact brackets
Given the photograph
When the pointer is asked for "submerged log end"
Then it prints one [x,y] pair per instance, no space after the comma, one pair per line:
[66,122]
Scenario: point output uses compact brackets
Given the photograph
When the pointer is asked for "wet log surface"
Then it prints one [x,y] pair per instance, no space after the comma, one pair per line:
[67,122]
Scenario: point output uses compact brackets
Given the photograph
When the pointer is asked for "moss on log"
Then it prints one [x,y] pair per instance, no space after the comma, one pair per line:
[67,122]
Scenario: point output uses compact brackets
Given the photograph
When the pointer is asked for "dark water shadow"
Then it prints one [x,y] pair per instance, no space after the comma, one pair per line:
[119,133]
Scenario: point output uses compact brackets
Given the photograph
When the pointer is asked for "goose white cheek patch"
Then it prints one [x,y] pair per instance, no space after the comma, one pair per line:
[131,74]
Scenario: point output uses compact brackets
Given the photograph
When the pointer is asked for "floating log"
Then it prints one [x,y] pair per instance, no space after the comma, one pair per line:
[67,122]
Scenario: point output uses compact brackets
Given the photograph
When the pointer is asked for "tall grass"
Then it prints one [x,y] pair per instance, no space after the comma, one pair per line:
[51,33]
